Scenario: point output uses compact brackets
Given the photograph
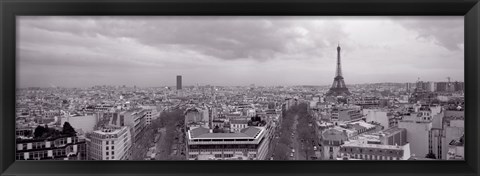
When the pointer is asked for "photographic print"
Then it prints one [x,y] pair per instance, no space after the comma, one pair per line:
[240,88]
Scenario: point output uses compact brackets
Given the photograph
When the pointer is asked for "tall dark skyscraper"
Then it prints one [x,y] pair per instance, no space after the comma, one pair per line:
[338,87]
[179,82]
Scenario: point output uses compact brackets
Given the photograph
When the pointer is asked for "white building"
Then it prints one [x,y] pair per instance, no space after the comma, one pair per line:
[85,122]
[151,113]
[453,131]
[197,116]
[236,125]
[363,151]
[456,149]
[249,144]
[378,116]
[110,143]
[418,126]
[332,139]
[135,119]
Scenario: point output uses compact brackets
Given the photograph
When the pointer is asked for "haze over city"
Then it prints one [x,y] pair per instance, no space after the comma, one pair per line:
[227,51]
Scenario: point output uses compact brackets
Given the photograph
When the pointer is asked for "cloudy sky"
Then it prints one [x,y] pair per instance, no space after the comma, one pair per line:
[151,51]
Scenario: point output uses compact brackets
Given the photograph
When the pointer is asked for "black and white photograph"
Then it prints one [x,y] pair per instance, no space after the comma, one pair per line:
[240,88]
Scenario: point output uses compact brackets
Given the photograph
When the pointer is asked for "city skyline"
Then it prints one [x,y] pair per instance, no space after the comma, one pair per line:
[232,51]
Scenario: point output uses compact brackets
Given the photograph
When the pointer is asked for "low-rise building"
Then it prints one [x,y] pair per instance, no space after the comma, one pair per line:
[366,151]
[456,149]
[377,115]
[418,126]
[53,147]
[332,139]
[345,114]
[393,136]
[249,144]
[236,125]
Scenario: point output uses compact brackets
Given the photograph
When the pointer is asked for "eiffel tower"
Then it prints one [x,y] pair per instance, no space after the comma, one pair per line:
[338,87]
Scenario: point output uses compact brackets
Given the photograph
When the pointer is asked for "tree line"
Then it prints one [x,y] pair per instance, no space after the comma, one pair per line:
[282,149]
[171,121]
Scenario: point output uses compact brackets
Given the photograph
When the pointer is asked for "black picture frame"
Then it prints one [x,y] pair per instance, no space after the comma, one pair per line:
[470,9]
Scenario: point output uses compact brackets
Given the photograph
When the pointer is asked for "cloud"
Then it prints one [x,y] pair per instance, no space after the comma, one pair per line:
[444,31]
[151,51]
[259,38]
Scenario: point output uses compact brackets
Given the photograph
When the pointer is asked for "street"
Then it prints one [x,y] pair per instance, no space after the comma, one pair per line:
[160,146]
[298,154]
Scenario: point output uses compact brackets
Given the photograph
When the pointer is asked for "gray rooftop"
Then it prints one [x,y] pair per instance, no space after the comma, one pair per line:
[202,132]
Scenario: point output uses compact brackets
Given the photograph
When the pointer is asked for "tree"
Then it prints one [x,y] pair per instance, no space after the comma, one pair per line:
[39,131]
[281,152]
[285,139]
[68,129]
[304,133]
[430,155]
[217,130]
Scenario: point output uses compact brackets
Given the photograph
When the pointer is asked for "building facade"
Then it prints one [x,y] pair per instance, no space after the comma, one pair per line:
[249,144]
[360,151]
[179,82]
[332,139]
[418,126]
[61,147]
[110,143]
[135,119]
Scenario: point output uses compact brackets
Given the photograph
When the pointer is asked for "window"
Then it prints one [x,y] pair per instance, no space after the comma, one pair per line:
[107,148]
[106,153]
[113,147]
[112,142]
[19,156]
[107,142]
[113,153]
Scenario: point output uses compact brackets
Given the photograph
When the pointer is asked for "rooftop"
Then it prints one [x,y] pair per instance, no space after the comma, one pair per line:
[110,130]
[363,124]
[204,133]
[391,131]
[459,142]
[334,135]
[364,145]
[239,121]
